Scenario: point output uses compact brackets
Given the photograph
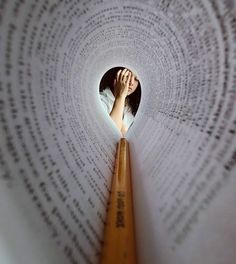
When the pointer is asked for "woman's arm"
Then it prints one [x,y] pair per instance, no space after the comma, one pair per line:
[123,129]
[121,90]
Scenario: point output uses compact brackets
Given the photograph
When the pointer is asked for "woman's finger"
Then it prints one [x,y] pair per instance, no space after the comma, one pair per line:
[132,79]
[118,75]
[128,78]
[125,76]
[121,76]
[124,72]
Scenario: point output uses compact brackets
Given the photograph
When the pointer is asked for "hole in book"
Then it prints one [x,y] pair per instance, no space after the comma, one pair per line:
[120,93]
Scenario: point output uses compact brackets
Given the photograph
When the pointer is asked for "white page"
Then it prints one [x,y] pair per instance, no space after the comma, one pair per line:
[183,143]
[57,144]
[56,161]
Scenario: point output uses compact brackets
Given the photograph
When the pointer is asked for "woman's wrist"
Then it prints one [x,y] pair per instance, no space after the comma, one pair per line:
[120,97]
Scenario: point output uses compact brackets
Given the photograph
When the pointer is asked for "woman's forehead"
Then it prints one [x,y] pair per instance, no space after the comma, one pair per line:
[135,76]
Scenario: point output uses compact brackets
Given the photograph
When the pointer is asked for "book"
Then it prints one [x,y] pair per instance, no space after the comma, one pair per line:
[58,145]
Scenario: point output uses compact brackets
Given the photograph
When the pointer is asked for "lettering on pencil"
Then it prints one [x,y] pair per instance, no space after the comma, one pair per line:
[120,217]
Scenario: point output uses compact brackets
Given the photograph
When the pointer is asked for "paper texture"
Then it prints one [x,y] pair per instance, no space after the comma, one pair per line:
[57,144]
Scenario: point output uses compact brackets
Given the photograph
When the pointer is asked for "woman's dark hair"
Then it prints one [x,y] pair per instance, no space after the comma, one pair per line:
[108,81]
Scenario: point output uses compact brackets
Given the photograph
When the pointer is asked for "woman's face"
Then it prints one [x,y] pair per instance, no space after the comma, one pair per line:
[133,84]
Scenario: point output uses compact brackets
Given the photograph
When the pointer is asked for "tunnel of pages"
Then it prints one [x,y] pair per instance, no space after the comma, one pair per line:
[57,146]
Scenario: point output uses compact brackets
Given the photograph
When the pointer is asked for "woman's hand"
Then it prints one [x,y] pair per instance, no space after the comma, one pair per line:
[121,88]
[122,82]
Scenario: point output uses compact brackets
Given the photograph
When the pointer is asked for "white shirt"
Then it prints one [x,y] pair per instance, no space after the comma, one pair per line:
[108,99]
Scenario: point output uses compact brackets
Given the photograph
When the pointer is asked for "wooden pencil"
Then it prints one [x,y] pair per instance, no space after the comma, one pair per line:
[119,236]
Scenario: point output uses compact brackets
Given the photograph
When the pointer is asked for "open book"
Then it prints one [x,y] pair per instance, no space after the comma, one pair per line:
[57,144]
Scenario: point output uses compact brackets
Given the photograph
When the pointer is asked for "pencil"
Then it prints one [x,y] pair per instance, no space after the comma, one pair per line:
[119,235]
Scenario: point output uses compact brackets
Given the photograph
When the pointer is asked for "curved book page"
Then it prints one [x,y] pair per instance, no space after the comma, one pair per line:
[57,146]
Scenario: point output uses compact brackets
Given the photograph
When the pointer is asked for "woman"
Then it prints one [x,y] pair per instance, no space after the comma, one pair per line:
[120,94]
